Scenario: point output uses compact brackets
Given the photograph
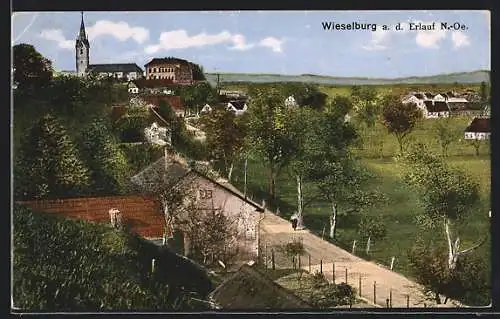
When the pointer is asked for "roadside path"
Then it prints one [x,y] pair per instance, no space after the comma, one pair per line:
[277,231]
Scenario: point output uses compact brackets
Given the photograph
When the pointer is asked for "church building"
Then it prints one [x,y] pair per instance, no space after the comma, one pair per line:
[125,71]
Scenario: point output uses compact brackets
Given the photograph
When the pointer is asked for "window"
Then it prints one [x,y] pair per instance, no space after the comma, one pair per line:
[205,194]
[81,51]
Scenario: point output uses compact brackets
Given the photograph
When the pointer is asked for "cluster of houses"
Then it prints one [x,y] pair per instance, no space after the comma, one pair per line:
[453,104]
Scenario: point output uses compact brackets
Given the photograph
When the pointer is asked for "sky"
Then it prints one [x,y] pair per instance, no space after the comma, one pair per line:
[270,42]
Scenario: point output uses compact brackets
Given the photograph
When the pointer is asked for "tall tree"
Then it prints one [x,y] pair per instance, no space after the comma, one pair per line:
[267,132]
[447,196]
[109,170]
[445,134]
[337,175]
[400,118]
[49,165]
[31,69]
[366,104]
[225,137]
[484,92]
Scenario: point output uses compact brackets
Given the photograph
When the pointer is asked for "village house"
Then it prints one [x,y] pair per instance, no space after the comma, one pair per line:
[210,194]
[178,70]
[417,99]
[141,214]
[436,109]
[206,109]
[132,88]
[238,107]
[251,288]
[291,102]
[478,129]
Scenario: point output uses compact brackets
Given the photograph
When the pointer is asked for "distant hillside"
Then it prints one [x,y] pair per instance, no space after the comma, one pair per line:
[462,78]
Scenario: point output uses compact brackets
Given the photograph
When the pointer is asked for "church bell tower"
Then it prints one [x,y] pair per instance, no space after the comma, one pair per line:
[82,48]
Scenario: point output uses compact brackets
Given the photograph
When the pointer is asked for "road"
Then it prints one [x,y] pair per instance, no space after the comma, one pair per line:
[275,231]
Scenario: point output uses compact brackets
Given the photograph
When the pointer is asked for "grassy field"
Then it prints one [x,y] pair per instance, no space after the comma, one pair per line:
[377,153]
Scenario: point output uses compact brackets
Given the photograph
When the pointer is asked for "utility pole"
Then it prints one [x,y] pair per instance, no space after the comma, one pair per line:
[218,81]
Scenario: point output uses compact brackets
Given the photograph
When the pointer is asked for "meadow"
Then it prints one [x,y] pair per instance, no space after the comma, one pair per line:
[377,152]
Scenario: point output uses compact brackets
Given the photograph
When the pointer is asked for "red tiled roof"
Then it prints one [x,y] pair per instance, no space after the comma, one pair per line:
[153,83]
[175,102]
[143,214]
[479,125]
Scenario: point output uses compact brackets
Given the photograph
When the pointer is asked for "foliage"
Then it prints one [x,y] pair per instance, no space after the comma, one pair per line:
[140,155]
[294,248]
[327,295]
[107,163]
[131,125]
[445,134]
[366,103]
[32,71]
[469,282]
[54,271]
[225,136]
[400,118]
[195,96]
[213,237]
[445,192]
[372,227]
[49,165]
[267,132]
[198,74]
[484,92]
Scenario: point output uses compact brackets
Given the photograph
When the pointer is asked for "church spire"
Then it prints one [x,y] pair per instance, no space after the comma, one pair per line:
[82,35]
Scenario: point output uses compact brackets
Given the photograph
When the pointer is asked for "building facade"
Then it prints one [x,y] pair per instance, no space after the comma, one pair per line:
[178,70]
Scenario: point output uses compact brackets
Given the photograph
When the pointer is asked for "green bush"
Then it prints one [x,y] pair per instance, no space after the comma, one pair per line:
[326,294]
[141,155]
[65,265]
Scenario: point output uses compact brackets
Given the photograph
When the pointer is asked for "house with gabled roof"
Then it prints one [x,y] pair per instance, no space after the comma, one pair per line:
[210,193]
[250,288]
[478,129]
[436,109]
[238,107]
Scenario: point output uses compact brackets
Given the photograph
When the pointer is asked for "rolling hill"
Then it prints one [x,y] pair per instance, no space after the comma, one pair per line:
[461,77]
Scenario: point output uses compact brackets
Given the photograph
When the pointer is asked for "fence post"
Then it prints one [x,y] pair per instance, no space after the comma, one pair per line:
[390,298]
[346,275]
[321,265]
[272,259]
[360,285]
[375,292]
[387,302]
[300,265]
[265,255]
[333,266]
[309,263]
[407,301]
[153,265]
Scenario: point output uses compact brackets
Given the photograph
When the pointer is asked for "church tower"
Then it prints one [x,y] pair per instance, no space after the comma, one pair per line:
[82,47]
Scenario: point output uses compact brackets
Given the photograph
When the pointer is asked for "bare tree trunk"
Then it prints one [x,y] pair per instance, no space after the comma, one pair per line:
[368,243]
[454,249]
[300,203]
[272,183]
[333,220]
[230,173]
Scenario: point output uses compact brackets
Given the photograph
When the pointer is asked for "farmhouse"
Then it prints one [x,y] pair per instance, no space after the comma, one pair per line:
[291,102]
[206,109]
[478,129]
[413,99]
[210,195]
[238,107]
[132,88]
[436,109]
[178,70]
[141,214]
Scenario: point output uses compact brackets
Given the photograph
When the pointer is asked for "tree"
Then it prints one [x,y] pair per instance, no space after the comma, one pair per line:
[366,103]
[476,143]
[194,96]
[31,70]
[484,92]
[305,94]
[225,137]
[108,165]
[336,174]
[445,134]
[371,227]
[49,165]
[400,118]
[131,125]
[469,282]
[198,74]
[446,194]
[267,132]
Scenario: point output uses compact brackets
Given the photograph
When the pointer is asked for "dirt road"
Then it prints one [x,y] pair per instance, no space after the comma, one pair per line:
[275,231]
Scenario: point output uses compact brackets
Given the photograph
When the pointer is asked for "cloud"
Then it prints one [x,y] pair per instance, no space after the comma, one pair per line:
[430,38]
[180,39]
[119,30]
[459,39]
[274,44]
[381,39]
[57,36]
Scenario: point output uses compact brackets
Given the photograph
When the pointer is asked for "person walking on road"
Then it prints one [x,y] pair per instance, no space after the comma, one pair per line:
[294,220]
